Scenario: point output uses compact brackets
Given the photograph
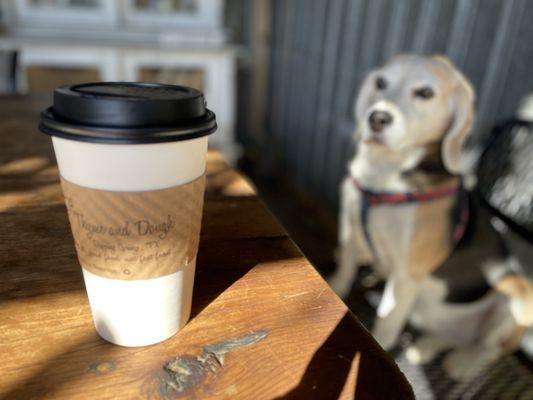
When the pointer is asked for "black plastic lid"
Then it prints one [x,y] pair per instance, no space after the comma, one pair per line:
[127,112]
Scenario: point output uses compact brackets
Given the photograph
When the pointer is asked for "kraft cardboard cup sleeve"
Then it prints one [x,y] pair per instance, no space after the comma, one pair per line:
[132,162]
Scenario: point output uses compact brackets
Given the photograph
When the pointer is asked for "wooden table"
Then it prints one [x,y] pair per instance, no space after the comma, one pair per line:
[295,337]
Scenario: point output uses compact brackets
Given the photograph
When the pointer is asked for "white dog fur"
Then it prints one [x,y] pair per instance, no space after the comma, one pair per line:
[431,106]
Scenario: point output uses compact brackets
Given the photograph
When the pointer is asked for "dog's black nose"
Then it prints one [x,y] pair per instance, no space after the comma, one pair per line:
[379,119]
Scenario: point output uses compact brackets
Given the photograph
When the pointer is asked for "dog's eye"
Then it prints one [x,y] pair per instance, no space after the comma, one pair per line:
[381,83]
[424,93]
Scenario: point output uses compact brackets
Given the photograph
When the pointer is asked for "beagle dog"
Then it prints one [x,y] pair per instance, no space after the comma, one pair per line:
[405,212]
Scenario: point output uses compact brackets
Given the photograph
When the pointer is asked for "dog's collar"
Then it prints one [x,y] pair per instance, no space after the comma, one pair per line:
[377,198]
[372,198]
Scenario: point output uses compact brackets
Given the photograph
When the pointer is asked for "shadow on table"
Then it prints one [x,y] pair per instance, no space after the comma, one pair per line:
[27,162]
[328,372]
[37,252]
[67,368]
[221,263]
[39,257]
[26,173]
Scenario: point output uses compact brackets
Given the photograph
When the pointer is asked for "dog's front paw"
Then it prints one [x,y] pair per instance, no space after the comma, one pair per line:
[384,336]
[340,285]
[417,356]
[465,364]
[424,350]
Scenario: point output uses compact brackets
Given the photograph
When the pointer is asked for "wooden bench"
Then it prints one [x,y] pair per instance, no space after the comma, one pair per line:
[291,336]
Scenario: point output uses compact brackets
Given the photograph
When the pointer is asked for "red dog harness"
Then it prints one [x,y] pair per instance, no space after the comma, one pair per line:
[372,199]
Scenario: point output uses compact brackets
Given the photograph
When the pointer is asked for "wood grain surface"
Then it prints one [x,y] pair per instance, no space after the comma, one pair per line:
[250,278]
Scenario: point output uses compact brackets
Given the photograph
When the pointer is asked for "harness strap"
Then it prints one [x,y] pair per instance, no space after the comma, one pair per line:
[371,199]
[463,216]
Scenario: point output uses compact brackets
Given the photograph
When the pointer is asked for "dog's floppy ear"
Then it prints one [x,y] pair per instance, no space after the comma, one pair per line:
[462,114]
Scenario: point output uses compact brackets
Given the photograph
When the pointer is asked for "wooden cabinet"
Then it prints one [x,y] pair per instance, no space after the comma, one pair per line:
[180,42]
[41,68]
[212,71]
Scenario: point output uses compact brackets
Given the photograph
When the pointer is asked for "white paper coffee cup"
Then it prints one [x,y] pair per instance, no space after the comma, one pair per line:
[112,161]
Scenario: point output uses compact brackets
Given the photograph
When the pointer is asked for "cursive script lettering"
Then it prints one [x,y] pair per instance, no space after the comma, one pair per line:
[91,229]
[145,227]
[103,246]
[123,230]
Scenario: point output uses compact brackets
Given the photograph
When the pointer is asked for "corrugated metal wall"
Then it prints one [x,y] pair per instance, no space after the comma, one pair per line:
[321,50]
